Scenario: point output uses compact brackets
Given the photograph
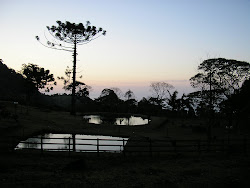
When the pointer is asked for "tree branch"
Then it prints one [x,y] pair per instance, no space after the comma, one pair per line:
[54,48]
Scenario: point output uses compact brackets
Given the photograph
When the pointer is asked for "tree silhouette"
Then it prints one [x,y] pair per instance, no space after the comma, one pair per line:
[160,90]
[173,102]
[237,105]
[38,76]
[71,35]
[129,95]
[186,103]
[81,89]
[108,100]
[219,77]
[12,84]
[148,107]
[130,101]
[117,91]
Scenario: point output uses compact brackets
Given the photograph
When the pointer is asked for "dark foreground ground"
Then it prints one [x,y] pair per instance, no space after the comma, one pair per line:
[30,169]
[61,169]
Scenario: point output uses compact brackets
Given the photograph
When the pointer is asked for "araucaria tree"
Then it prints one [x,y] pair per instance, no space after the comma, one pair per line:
[72,35]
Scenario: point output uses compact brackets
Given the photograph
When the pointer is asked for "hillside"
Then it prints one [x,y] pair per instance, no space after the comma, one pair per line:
[12,84]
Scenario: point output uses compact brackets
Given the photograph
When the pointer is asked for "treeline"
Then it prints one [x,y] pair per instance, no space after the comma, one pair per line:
[223,88]
[13,86]
[190,105]
[23,86]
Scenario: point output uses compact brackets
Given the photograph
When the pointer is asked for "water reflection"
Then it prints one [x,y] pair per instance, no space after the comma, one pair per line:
[31,143]
[132,120]
[92,119]
[78,143]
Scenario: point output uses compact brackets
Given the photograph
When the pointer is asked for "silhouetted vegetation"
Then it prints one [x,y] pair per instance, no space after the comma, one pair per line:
[178,119]
[160,91]
[38,77]
[219,92]
[237,106]
[12,84]
[82,90]
[108,100]
[218,79]
[72,34]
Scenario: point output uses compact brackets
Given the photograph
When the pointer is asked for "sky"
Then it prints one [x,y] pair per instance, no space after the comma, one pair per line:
[146,41]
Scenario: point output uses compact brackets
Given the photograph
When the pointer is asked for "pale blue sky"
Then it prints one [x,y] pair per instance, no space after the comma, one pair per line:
[147,40]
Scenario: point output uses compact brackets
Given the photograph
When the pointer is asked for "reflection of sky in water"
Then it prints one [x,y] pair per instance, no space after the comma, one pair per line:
[96,119]
[93,119]
[83,142]
[131,121]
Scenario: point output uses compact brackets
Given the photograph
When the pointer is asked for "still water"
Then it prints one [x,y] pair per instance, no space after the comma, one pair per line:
[130,121]
[83,143]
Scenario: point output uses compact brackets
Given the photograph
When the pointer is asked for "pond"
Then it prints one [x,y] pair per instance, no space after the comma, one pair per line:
[78,143]
[129,121]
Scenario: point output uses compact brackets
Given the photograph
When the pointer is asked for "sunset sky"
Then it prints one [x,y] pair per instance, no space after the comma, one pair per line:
[146,41]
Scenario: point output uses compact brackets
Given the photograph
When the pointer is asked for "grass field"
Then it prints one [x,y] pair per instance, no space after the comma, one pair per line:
[59,169]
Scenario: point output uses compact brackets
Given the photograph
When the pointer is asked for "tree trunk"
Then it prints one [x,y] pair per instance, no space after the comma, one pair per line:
[73,99]
[209,131]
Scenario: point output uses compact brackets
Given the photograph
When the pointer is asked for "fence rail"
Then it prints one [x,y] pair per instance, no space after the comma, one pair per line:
[134,145]
[73,144]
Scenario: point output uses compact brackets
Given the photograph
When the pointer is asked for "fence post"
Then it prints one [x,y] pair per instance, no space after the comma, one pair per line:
[97,146]
[123,144]
[41,144]
[74,141]
[69,145]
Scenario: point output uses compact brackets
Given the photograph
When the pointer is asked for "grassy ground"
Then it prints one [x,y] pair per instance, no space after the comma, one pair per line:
[22,169]
[55,169]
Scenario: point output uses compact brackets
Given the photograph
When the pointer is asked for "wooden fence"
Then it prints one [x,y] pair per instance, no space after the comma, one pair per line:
[135,145]
[72,144]
[182,146]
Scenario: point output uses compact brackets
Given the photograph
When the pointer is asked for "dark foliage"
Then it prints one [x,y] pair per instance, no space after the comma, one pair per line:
[237,106]
[224,75]
[71,32]
[71,35]
[108,100]
[38,77]
[217,80]
[221,76]
[82,90]
[12,84]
